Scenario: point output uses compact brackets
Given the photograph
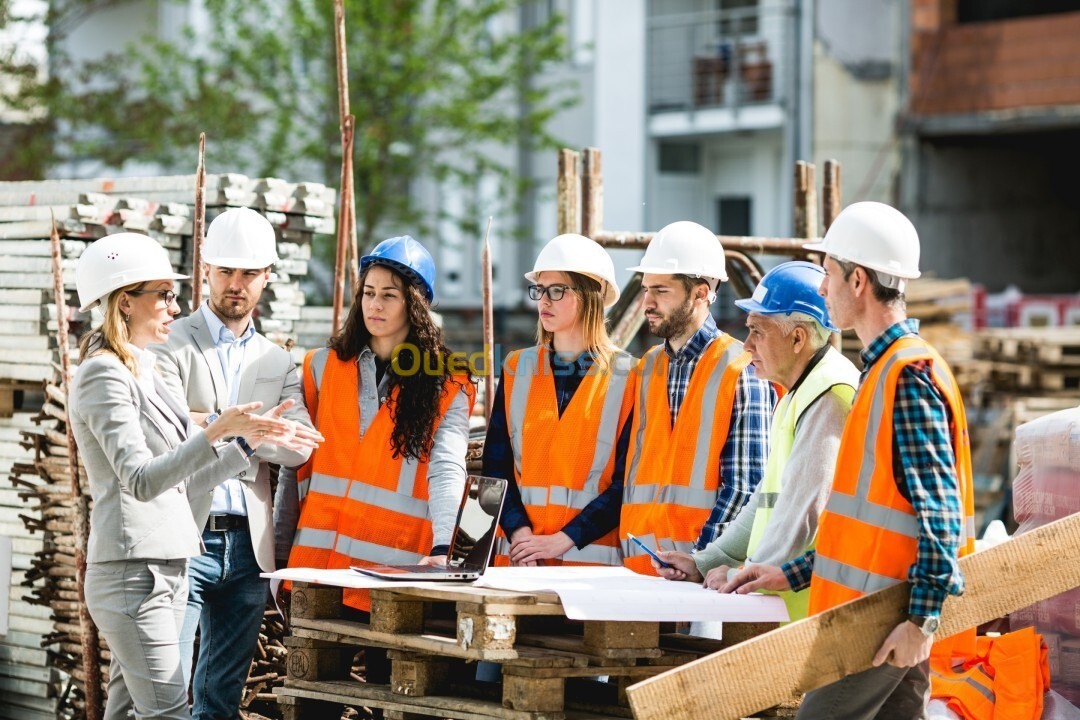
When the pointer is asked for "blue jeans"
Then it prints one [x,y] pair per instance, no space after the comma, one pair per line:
[226,599]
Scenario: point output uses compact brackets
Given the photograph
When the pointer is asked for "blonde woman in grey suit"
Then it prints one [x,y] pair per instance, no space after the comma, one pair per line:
[144,458]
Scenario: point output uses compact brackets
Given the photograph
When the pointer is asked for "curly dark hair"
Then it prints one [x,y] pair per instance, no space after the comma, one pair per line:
[415,409]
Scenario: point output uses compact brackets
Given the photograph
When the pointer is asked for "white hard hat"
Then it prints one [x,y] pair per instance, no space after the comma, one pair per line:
[685,248]
[875,236]
[240,238]
[577,253]
[116,261]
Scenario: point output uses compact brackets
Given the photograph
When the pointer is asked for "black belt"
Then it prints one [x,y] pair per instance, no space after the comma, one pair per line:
[221,523]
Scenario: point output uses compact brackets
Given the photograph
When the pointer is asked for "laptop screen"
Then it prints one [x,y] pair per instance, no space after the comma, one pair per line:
[478,520]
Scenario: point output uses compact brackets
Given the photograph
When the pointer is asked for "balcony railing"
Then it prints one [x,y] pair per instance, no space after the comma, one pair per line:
[721,58]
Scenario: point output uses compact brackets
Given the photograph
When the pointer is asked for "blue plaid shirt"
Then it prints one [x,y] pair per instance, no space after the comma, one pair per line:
[742,461]
[596,519]
[924,465]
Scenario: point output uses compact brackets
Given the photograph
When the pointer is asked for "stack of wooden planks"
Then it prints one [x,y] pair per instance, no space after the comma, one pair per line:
[1036,360]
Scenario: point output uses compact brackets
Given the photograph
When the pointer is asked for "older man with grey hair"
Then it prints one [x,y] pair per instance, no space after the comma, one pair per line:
[789,343]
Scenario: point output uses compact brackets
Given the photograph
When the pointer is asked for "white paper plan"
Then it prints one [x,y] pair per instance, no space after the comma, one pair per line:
[589,593]
[606,593]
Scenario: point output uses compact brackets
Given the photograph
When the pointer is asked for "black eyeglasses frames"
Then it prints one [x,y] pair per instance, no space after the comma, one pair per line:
[167,295]
[555,292]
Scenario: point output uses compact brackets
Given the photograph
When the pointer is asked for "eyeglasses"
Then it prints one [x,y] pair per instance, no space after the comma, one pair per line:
[167,295]
[555,292]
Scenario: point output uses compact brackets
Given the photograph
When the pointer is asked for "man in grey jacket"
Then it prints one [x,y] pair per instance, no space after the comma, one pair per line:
[789,343]
[216,359]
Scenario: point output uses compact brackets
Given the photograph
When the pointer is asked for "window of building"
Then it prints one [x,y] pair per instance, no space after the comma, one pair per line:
[680,157]
[738,17]
[970,11]
[733,215]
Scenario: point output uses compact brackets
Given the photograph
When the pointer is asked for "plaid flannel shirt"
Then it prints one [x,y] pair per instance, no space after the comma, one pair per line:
[742,461]
[924,463]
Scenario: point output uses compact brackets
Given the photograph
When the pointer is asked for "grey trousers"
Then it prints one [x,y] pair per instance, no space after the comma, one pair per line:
[882,693]
[139,606]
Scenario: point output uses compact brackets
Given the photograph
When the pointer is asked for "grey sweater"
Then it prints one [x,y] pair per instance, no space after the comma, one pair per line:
[806,481]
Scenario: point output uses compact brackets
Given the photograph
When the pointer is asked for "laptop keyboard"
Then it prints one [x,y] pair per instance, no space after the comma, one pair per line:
[436,569]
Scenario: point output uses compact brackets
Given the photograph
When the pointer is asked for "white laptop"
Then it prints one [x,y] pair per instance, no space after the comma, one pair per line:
[474,537]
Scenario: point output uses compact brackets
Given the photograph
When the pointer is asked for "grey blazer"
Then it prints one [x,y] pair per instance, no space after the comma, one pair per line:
[143,461]
[191,369]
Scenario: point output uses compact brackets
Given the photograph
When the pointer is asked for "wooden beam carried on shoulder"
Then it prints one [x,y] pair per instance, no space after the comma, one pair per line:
[780,665]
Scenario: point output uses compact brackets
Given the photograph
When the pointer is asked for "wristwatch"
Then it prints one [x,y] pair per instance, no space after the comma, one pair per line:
[928,624]
[211,418]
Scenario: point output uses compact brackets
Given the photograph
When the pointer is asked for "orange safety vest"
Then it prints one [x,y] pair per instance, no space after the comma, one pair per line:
[1005,678]
[673,473]
[868,533]
[561,464]
[360,505]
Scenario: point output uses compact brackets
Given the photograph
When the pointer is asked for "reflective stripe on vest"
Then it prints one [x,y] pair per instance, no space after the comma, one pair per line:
[353,547]
[834,374]
[984,685]
[868,533]
[528,365]
[702,459]
[631,549]
[316,365]
[673,475]
[361,506]
[592,554]
[1001,677]
[556,487]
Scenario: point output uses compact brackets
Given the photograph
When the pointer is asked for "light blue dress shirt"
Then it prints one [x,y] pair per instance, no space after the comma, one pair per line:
[229,495]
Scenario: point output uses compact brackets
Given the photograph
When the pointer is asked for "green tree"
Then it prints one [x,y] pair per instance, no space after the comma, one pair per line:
[433,85]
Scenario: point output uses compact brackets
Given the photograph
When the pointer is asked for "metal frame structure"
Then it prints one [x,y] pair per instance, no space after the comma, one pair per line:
[580,209]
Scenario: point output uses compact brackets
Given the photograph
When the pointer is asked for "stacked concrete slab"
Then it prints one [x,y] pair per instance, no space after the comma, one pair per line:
[40,656]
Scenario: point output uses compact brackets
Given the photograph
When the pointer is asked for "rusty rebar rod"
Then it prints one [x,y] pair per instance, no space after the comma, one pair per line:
[91,650]
[830,193]
[489,325]
[806,215]
[592,193]
[198,226]
[343,222]
[567,193]
[347,214]
[640,240]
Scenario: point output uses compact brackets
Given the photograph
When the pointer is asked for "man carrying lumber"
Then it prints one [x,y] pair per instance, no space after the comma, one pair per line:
[901,503]
[700,432]
[214,359]
[789,343]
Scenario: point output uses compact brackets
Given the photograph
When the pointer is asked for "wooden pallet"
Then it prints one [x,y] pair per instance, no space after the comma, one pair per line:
[434,637]
[1040,346]
[8,389]
[1025,377]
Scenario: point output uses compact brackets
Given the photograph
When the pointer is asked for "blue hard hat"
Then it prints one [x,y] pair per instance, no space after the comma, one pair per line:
[407,256]
[790,287]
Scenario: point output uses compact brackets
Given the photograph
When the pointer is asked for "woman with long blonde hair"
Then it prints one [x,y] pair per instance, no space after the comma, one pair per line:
[559,430]
[144,460]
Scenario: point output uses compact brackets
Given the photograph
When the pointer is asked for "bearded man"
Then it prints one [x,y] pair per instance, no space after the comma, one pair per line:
[700,435]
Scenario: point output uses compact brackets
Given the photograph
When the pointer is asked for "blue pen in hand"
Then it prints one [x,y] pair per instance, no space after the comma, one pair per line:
[647,549]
